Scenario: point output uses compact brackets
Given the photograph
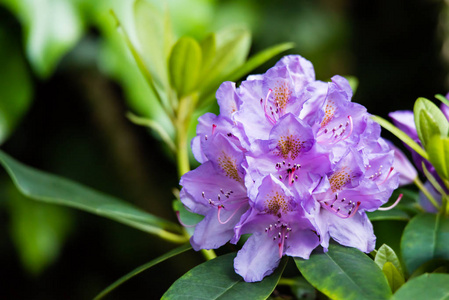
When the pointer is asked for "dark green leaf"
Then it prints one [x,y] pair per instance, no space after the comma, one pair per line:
[400,135]
[345,273]
[16,91]
[38,230]
[429,120]
[427,286]
[386,254]
[426,237]
[394,277]
[142,268]
[185,65]
[216,279]
[49,188]
[438,150]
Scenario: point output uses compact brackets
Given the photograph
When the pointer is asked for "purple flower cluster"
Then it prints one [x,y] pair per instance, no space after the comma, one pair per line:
[291,161]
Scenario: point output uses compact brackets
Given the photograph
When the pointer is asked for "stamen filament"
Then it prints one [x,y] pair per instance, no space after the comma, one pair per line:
[393,205]
[181,222]
[388,175]
[267,115]
[233,214]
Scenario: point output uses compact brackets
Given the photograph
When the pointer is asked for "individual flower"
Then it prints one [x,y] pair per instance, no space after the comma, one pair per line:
[303,162]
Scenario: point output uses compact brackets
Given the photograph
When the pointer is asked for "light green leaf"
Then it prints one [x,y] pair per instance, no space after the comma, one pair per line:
[15,87]
[393,214]
[188,218]
[185,65]
[156,38]
[429,120]
[216,279]
[386,254]
[426,237]
[344,273]
[51,28]
[253,62]
[208,50]
[49,188]
[394,277]
[142,268]
[38,230]
[438,150]
[232,47]
[426,286]
[442,99]
[401,135]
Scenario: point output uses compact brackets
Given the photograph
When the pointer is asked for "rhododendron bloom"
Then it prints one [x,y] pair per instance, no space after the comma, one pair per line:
[291,161]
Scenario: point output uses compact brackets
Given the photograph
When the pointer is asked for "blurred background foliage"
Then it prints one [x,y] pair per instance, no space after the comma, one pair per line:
[67,81]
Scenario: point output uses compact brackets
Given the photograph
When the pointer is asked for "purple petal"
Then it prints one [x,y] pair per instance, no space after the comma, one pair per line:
[258,258]
[356,231]
[407,172]
[404,120]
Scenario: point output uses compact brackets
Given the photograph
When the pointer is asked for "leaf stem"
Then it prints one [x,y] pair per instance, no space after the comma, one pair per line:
[426,192]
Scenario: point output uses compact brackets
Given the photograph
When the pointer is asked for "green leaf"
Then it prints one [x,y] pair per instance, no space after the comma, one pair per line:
[51,29]
[253,62]
[142,268]
[344,273]
[429,120]
[394,277]
[232,47]
[216,279]
[185,65]
[401,135]
[427,286]
[188,218]
[156,38]
[438,150]
[393,214]
[49,188]
[386,254]
[38,230]
[426,237]
[442,99]
[16,91]
[208,50]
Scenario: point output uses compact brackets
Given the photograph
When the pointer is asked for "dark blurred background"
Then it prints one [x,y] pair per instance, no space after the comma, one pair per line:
[74,123]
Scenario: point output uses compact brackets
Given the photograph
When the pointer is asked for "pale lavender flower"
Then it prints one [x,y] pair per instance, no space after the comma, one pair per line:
[303,163]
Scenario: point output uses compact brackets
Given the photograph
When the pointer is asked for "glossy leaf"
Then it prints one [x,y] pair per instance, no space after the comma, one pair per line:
[38,230]
[142,268]
[15,87]
[426,286]
[386,254]
[216,279]
[401,135]
[156,38]
[344,273]
[429,120]
[426,237]
[49,188]
[394,277]
[438,150]
[185,65]
[51,29]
